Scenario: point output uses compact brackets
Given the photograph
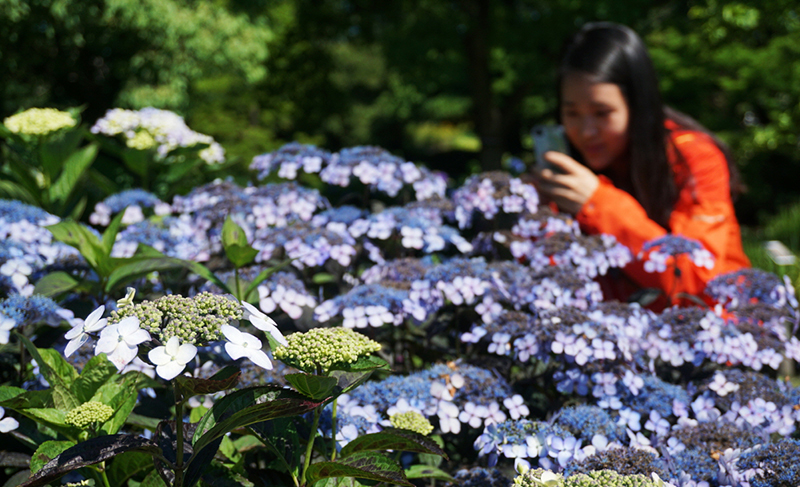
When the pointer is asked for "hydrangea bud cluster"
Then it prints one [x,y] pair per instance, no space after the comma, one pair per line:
[162,130]
[196,320]
[133,202]
[88,413]
[412,421]
[539,478]
[487,194]
[669,248]
[39,121]
[321,349]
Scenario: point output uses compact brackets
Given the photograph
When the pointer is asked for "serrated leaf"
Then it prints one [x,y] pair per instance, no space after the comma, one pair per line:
[9,392]
[89,452]
[127,465]
[223,380]
[314,386]
[364,363]
[428,472]
[122,399]
[48,451]
[73,169]
[153,480]
[97,371]
[362,465]
[58,372]
[55,284]
[393,439]
[247,406]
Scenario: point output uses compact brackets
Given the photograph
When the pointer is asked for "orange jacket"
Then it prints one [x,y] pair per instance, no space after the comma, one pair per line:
[704,212]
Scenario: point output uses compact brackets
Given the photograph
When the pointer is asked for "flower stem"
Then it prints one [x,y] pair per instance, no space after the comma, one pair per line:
[333,430]
[310,446]
[179,434]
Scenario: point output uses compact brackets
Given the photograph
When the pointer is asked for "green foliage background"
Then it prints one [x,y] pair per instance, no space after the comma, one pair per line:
[456,85]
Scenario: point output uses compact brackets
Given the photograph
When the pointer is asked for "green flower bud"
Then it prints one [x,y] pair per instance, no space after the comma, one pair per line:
[412,421]
[88,413]
[141,141]
[321,349]
[610,478]
[39,121]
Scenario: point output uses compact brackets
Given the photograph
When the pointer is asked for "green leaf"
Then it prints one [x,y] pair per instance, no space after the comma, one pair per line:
[265,274]
[74,168]
[53,152]
[153,480]
[347,381]
[127,465]
[322,278]
[234,241]
[97,371]
[223,380]
[363,465]
[121,397]
[364,363]
[110,234]
[316,387]
[144,422]
[89,452]
[55,284]
[9,392]
[14,191]
[58,372]
[393,439]
[221,476]
[48,451]
[138,161]
[247,406]
[282,438]
[428,472]
[128,270]
[78,236]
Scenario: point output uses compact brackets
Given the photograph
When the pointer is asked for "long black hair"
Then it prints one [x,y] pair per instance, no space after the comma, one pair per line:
[613,53]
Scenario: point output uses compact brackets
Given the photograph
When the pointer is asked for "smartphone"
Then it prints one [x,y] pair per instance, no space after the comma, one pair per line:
[548,138]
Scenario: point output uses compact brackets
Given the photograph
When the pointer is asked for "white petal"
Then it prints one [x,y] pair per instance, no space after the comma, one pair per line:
[260,358]
[75,344]
[106,344]
[232,334]
[8,424]
[186,353]
[74,332]
[137,337]
[111,331]
[159,356]
[170,370]
[94,317]
[172,346]
[128,325]
[122,356]
[251,311]
[250,341]
[236,351]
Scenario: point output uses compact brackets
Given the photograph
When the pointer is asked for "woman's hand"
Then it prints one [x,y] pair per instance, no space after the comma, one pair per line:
[569,186]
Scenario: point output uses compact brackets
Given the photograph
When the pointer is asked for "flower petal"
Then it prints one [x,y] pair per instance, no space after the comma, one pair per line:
[123,355]
[235,351]
[75,332]
[232,334]
[261,359]
[186,353]
[94,319]
[172,346]
[128,325]
[106,344]
[170,370]
[75,344]
[137,337]
[159,356]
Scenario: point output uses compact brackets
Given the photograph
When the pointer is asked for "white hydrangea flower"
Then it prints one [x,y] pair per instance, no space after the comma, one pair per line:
[121,341]
[242,344]
[78,335]
[171,359]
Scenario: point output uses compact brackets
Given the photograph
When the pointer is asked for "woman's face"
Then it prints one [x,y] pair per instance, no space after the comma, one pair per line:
[595,117]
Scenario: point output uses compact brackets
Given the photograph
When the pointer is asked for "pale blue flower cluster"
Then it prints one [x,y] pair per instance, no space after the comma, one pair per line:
[488,194]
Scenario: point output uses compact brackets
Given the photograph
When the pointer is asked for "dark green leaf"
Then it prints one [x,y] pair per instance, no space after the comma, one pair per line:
[127,465]
[221,381]
[247,406]
[362,465]
[97,371]
[364,363]
[55,284]
[48,451]
[89,452]
[322,278]
[234,241]
[142,421]
[196,460]
[316,387]
[347,381]
[128,270]
[221,476]
[153,480]
[74,167]
[58,372]
[428,472]
[281,437]
[13,191]
[110,234]
[78,236]
[138,161]
[53,152]
[393,439]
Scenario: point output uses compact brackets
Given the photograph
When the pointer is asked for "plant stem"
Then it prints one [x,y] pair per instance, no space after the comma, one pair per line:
[333,430]
[310,446]
[179,434]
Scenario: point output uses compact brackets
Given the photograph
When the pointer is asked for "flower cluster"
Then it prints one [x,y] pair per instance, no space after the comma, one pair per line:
[321,349]
[590,256]
[133,202]
[88,413]
[488,194]
[669,248]
[370,305]
[289,159]
[39,121]
[306,245]
[412,421]
[162,130]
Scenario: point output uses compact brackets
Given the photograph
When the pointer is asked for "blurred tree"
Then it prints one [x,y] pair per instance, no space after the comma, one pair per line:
[130,53]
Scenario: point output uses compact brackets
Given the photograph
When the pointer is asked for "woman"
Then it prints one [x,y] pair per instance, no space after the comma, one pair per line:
[641,170]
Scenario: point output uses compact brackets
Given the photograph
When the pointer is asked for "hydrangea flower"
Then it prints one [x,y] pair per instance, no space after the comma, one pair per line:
[662,249]
[171,359]
[321,349]
[79,334]
[39,121]
[88,413]
[289,160]
[413,421]
[240,344]
[120,341]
